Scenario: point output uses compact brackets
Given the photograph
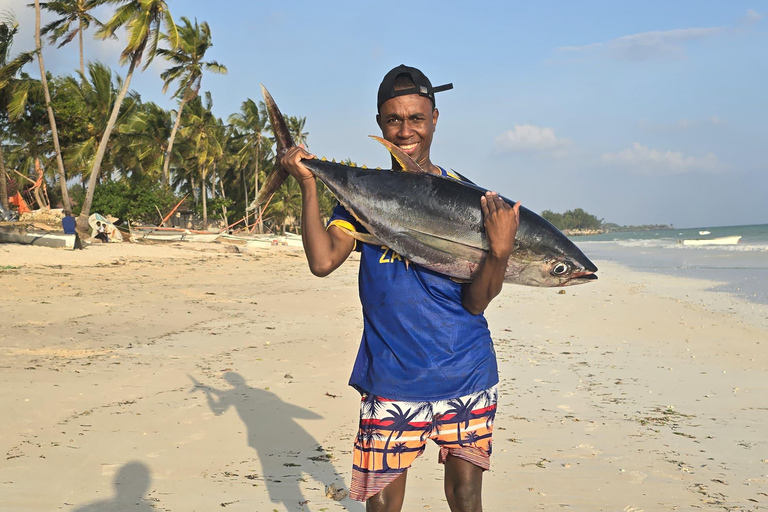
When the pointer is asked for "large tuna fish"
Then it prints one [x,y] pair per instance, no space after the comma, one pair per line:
[435,221]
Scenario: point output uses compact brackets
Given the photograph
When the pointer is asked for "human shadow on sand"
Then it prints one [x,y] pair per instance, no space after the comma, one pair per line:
[131,484]
[286,451]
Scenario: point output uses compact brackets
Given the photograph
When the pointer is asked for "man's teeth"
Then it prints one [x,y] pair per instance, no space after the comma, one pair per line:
[408,146]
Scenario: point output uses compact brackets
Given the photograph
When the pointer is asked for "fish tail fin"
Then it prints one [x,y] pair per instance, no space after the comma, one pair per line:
[407,163]
[284,143]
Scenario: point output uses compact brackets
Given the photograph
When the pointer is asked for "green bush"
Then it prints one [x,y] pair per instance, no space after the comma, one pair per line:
[132,201]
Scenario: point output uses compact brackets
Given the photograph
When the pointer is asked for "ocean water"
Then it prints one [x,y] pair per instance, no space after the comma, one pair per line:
[740,269]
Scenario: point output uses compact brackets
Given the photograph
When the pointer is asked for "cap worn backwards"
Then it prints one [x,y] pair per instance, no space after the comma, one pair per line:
[423,86]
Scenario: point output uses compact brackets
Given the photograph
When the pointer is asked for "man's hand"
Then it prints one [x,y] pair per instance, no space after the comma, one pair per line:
[291,162]
[501,222]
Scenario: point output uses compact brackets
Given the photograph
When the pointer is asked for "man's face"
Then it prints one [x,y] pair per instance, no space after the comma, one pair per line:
[409,122]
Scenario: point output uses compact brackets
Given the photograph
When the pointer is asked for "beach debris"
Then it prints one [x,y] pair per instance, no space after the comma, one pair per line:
[288,376]
[336,493]
[561,292]
[331,395]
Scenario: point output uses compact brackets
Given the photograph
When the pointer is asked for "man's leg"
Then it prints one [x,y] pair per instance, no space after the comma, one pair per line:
[463,485]
[390,498]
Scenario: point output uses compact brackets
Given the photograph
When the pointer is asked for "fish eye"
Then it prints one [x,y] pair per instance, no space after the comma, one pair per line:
[560,269]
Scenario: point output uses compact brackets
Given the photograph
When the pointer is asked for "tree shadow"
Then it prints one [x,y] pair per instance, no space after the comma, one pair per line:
[285,450]
[131,484]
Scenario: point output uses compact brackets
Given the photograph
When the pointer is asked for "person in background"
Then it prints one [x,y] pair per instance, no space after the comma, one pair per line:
[68,223]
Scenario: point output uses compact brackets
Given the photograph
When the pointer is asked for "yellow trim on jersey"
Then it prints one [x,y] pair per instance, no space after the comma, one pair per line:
[346,225]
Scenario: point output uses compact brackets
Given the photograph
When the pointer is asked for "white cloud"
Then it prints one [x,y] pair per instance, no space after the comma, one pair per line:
[644,46]
[751,17]
[528,137]
[644,160]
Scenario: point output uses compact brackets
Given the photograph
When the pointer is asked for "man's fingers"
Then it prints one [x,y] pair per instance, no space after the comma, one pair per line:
[491,201]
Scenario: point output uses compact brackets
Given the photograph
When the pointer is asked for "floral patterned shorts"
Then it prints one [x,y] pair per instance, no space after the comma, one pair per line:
[393,433]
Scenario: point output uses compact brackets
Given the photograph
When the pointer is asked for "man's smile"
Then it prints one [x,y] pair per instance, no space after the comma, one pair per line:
[408,147]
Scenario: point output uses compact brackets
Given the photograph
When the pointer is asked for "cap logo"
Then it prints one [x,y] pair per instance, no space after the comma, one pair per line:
[423,90]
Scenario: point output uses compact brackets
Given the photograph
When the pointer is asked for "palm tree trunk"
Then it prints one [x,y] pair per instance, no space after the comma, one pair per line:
[80,32]
[256,192]
[96,169]
[51,119]
[247,204]
[166,178]
[205,205]
[3,183]
[213,182]
[223,206]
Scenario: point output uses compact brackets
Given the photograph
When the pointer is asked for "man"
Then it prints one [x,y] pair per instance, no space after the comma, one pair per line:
[68,223]
[426,366]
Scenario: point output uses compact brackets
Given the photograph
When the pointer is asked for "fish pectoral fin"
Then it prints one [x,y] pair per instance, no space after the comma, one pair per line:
[452,247]
[366,238]
[406,162]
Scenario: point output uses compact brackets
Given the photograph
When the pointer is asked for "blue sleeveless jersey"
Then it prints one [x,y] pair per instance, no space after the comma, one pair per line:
[419,343]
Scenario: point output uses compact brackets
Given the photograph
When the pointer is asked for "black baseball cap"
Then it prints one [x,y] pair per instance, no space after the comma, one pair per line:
[423,85]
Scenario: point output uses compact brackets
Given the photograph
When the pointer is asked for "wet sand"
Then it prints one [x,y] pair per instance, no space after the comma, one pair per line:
[176,377]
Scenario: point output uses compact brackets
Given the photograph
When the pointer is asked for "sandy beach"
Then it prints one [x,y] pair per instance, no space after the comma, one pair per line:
[188,377]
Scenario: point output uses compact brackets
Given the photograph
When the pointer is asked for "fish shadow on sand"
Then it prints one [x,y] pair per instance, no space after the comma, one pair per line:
[131,484]
[286,451]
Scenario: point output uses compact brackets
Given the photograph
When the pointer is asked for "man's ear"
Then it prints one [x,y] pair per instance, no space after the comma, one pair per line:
[435,114]
[378,120]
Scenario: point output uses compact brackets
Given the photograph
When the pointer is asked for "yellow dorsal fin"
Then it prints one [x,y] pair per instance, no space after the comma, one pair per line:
[406,162]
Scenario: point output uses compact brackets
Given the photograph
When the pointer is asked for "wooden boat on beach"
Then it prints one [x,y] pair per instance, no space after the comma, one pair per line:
[723,240]
[160,234]
[18,233]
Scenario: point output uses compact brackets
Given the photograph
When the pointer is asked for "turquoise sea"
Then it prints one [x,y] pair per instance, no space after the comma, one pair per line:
[740,269]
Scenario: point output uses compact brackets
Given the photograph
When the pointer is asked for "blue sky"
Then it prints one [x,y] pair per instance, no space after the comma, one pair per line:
[641,112]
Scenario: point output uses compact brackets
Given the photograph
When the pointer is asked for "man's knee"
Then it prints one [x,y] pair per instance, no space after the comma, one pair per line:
[463,485]
[464,496]
[389,499]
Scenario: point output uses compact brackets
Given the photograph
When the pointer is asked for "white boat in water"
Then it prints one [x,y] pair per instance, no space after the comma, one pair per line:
[702,233]
[723,240]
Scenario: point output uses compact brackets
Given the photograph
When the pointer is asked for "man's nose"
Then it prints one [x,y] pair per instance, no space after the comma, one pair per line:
[405,131]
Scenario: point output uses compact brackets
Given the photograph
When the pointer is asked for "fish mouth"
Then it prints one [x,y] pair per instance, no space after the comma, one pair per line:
[581,277]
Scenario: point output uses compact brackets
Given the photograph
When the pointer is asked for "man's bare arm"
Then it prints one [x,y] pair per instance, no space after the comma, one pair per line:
[327,249]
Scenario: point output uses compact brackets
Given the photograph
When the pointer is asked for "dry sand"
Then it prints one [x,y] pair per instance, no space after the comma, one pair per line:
[638,392]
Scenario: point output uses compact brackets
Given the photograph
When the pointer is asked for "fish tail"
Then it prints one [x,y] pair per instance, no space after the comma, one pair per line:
[284,143]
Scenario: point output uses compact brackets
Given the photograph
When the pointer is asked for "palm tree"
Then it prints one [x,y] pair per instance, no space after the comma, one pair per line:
[51,118]
[462,413]
[398,449]
[250,124]
[144,136]
[400,423]
[94,96]
[74,18]
[9,27]
[205,134]
[188,65]
[296,127]
[142,19]
[28,134]
[366,437]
